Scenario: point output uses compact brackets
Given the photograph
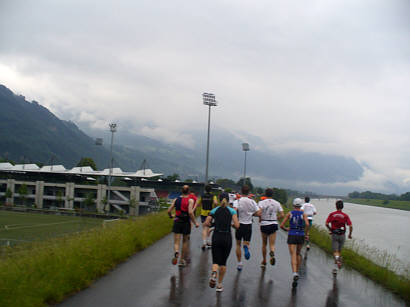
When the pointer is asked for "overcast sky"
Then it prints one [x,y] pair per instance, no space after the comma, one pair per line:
[318,76]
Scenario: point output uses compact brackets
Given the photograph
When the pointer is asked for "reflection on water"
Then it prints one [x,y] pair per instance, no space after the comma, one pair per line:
[333,295]
[264,290]
[177,287]
[293,297]
[238,297]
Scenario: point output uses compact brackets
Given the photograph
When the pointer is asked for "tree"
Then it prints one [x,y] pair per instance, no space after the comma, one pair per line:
[259,190]
[23,193]
[280,195]
[173,177]
[354,194]
[405,196]
[8,194]
[89,201]
[87,162]
[59,198]
[226,183]
[247,181]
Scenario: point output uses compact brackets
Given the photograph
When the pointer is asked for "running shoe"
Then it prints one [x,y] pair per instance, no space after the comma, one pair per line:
[239,267]
[182,263]
[175,259]
[295,280]
[203,246]
[247,253]
[307,247]
[272,258]
[219,288]
[208,245]
[263,264]
[212,280]
[334,271]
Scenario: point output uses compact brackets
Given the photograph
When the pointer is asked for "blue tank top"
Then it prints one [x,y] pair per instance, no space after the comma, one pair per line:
[296,223]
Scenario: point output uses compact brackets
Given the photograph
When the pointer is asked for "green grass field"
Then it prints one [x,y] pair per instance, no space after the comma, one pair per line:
[393,204]
[16,227]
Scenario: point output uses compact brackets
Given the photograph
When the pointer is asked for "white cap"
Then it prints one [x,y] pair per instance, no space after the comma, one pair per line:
[297,202]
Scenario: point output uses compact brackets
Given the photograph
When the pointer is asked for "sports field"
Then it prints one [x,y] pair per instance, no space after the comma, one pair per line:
[16,227]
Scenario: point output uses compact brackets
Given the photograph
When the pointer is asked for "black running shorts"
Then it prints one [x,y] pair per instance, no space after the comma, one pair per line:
[292,239]
[221,247]
[244,232]
[182,227]
[269,229]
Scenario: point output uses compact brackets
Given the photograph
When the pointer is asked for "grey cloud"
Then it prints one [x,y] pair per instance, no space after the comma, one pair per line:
[328,77]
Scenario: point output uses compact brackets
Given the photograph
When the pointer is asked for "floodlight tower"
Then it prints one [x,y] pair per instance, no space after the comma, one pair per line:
[209,100]
[113,129]
[245,148]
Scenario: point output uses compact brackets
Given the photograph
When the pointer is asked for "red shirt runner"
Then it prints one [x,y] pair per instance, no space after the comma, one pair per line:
[338,220]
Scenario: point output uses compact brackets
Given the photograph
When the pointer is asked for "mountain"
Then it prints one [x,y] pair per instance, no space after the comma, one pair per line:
[30,132]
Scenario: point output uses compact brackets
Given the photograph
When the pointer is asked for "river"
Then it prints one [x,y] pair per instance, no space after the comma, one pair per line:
[374,227]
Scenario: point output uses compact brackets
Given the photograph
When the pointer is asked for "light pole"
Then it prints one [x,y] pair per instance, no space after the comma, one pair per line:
[113,129]
[209,100]
[245,148]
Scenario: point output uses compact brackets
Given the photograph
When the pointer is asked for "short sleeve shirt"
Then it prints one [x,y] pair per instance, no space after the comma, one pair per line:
[270,209]
[246,208]
[338,220]
[309,209]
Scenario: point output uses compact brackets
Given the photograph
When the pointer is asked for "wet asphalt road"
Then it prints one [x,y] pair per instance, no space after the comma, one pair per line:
[149,279]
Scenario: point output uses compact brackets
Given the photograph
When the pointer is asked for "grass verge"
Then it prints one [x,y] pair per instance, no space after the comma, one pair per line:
[46,272]
[381,274]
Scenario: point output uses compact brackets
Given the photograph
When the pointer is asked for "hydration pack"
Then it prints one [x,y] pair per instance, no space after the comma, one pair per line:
[207,200]
[182,215]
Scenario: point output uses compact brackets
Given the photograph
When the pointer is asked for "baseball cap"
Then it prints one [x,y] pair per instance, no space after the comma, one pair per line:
[297,202]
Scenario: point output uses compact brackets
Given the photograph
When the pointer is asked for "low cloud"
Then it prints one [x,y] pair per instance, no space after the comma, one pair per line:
[329,77]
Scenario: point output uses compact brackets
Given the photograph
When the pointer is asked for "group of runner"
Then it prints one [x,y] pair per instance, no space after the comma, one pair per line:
[219,214]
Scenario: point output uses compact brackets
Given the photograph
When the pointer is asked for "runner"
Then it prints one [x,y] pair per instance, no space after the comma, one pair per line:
[207,202]
[184,214]
[336,223]
[221,239]
[246,209]
[298,227]
[269,211]
[310,210]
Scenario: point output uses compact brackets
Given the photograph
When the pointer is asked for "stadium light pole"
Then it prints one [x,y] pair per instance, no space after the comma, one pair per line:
[209,100]
[245,148]
[113,129]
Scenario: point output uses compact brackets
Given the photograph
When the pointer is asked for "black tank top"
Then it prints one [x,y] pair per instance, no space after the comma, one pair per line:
[207,200]
[223,219]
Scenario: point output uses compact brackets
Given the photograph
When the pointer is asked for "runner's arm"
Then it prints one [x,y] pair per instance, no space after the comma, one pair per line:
[350,231]
[258,213]
[282,225]
[328,222]
[208,221]
[215,201]
[235,221]
[280,214]
[191,212]
[170,209]
[305,218]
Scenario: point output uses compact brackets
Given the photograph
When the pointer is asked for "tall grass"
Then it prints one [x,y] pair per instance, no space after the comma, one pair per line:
[46,272]
[363,259]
